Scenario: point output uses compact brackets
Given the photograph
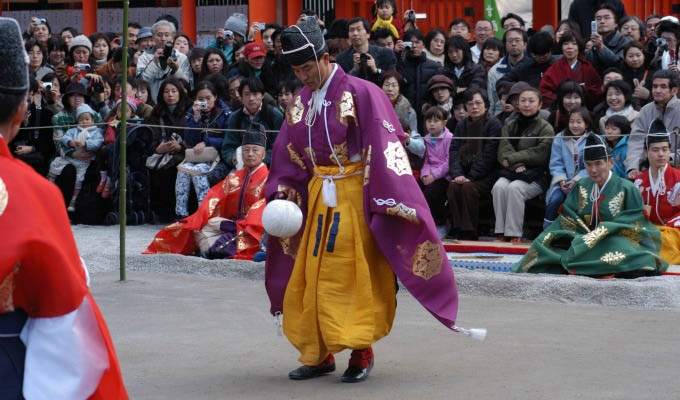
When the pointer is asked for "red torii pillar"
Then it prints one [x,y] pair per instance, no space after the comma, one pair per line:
[189,19]
[89,17]
[544,13]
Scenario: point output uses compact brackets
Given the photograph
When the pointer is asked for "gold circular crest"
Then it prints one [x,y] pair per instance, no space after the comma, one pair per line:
[4,196]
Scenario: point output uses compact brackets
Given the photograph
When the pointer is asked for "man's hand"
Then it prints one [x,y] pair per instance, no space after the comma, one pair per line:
[198,149]
[640,92]
[254,30]
[427,179]
[399,46]
[163,147]
[370,62]
[21,150]
[173,64]
[633,173]
[520,169]
[596,40]
[356,57]
[157,55]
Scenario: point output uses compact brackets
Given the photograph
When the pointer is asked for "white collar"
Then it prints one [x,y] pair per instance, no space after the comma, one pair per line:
[256,168]
[659,185]
[319,95]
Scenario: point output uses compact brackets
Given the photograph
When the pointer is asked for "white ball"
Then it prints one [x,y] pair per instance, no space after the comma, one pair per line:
[282,218]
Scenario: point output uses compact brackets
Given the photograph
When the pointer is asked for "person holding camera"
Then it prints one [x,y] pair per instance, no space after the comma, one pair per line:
[363,59]
[234,31]
[607,42]
[415,67]
[162,60]
[37,59]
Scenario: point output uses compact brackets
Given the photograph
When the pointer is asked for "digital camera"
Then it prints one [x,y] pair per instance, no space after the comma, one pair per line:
[203,105]
[47,86]
[38,21]
[408,46]
[228,34]
[83,67]
[661,42]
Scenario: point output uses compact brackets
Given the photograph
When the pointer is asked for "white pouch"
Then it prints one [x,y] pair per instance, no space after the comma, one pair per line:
[328,191]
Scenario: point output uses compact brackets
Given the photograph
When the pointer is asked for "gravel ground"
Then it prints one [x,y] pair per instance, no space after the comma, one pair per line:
[99,248]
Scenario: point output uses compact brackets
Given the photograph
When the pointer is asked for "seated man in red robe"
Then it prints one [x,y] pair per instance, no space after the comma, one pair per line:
[232,209]
[660,190]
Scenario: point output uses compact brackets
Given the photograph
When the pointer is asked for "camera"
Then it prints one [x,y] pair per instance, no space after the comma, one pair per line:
[260,25]
[410,16]
[661,42]
[202,105]
[228,34]
[408,46]
[363,58]
[38,21]
[168,52]
[47,86]
[83,67]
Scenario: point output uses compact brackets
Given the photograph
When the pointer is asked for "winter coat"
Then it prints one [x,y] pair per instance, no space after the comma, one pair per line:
[210,123]
[384,60]
[472,75]
[169,121]
[483,166]
[151,72]
[583,13]
[39,139]
[416,72]
[610,54]
[436,162]
[497,72]
[562,167]
[531,73]
[561,70]
[670,115]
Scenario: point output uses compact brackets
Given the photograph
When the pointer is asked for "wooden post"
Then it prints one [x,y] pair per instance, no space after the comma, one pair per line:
[89,17]
[189,19]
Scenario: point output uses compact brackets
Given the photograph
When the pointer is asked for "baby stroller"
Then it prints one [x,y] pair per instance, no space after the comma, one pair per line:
[138,202]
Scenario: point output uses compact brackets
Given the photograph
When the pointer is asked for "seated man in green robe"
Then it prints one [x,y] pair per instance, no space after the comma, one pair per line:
[601,230]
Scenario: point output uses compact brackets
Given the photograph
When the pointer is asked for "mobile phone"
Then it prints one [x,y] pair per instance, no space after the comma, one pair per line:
[593,27]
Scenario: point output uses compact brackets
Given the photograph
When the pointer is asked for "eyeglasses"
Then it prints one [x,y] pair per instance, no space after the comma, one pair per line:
[473,103]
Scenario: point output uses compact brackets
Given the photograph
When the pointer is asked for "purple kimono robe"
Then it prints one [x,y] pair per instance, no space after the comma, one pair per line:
[362,125]
[437,156]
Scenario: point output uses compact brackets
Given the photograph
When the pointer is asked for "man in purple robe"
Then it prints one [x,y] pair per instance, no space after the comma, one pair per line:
[339,156]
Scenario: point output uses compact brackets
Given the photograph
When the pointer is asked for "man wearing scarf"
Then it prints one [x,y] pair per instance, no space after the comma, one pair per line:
[54,343]
[238,201]
[660,189]
[601,230]
[339,156]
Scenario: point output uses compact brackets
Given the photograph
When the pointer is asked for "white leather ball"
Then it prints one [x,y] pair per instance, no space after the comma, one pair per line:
[282,218]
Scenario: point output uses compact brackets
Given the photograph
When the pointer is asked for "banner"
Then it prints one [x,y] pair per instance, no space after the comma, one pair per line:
[491,14]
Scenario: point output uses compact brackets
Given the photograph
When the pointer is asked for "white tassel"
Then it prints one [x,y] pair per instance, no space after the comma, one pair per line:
[330,197]
[278,323]
[475,333]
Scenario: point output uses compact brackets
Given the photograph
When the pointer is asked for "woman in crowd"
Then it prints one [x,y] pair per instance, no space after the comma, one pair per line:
[196,61]
[68,34]
[492,51]
[144,93]
[563,27]
[637,72]
[101,48]
[523,153]
[440,91]
[254,110]
[56,52]
[51,93]
[34,145]
[633,28]
[464,72]
[472,164]
[214,62]
[41,31]
[435,43]
[183,44]
[570,97]
[619,97]
[285,93]
[392,85]
[207,120]
[572,65]
[168,139]
[458,112]
[37,59]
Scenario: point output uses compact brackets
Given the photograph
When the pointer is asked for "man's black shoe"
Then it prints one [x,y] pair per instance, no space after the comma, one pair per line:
[312,371]
[355,374]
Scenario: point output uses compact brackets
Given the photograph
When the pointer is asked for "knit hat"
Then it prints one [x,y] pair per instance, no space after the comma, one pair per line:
[303,42]
[252,50]
[657,133]
[255,135]
[14,65]
[84,109]
[144,33]
[75,88]
[237,23]
[80,40]
[596,148]
[132,102]
[439,81]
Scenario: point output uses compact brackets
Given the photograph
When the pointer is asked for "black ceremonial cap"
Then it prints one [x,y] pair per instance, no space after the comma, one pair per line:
[596,148]
[657,133]
[300,43]
[255,135]
[14,65]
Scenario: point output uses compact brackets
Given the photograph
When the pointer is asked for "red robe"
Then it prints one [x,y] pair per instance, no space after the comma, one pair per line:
[585,74]
[659,210]
[223,200]
[42,274]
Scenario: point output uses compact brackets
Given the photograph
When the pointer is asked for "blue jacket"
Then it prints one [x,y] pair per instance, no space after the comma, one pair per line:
[562,166]
[210,123]
[619,153]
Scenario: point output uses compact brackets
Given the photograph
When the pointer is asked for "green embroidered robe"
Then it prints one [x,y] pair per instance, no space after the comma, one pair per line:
[623,240]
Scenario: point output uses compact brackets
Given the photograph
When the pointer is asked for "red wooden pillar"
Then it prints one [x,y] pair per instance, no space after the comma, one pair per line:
[545,13]
[89,16]
[261,11]
[189,19]
[291,11]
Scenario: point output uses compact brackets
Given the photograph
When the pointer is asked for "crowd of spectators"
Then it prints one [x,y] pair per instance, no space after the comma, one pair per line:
[533,94]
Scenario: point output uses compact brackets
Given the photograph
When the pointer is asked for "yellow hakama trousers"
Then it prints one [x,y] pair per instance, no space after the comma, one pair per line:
[670,244]
[341,293]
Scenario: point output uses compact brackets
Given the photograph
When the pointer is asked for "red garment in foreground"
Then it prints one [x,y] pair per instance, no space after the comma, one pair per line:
[233,198]
[666,214]
[40,269]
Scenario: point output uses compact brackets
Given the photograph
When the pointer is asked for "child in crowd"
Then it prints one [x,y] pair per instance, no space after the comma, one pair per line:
[144,93]
[458,113]
[86,136]
[385,13]
[435,172]
[285,92]
[616,130]
[566,161]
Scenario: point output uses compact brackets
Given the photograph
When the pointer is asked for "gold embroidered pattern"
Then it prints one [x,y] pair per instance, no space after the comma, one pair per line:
[567,223]
[397,160]
[296,195]
[7,291]
[311,153]
[295,111]
[592,238]
[241,243]
[401,210]
[175,229]
[367,165]
[633,235]
[528,260]
[342,152]
[346,110]
[161,246]
[582,198]
[289,246]
[258,204]
[257,190]
[547,239]
[616,203]
[613,257]
[295,157]
[234,183]
[212,204]
[4,196]
[427,260]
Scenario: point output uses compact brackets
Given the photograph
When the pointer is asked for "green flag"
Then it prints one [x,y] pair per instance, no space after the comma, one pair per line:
[491,14]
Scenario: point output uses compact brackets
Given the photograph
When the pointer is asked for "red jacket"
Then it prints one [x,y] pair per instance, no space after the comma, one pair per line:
[585,74]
